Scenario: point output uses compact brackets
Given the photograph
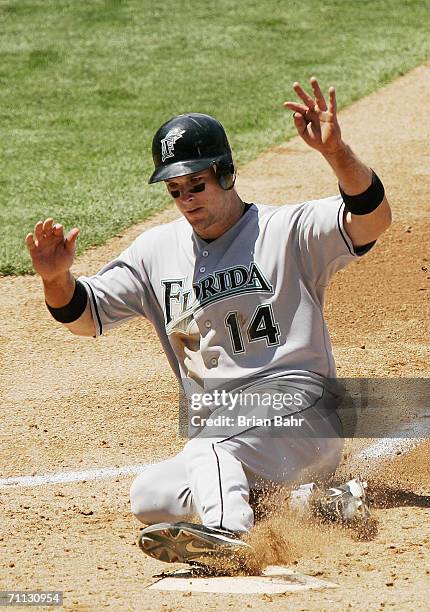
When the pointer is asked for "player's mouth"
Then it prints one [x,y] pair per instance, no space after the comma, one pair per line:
[192,211]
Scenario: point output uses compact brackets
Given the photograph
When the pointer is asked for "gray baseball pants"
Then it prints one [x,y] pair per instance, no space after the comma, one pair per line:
[212,476]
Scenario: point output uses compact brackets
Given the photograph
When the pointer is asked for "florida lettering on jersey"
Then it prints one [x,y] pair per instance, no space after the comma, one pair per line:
[257,304]
[214,287]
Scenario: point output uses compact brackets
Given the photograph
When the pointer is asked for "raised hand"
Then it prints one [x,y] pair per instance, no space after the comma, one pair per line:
[52,253]
[315,120]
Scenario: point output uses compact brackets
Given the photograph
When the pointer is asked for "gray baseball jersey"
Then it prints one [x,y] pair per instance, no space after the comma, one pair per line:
[247,304]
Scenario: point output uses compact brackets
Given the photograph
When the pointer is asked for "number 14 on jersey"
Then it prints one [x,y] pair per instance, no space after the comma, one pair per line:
[262,326]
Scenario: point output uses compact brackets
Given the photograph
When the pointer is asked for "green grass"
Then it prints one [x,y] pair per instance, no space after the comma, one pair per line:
[84,85]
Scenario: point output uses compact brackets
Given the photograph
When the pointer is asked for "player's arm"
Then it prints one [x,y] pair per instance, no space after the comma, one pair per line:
[316,122]
[357,179]
[52,254]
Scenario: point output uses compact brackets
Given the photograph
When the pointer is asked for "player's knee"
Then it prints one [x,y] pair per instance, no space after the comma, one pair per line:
[141,494]
[149,500]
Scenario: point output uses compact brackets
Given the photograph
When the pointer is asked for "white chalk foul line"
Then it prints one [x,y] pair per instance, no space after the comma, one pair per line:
[383,448]
[402,441]
[388,447]
[74,476]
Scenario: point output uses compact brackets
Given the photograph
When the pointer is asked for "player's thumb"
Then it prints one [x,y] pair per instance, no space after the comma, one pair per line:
[70,241]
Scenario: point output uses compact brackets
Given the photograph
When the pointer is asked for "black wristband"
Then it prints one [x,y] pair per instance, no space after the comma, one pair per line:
[73,310]
[366,202]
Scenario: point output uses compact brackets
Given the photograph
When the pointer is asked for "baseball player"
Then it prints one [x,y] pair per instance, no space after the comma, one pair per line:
[235,291]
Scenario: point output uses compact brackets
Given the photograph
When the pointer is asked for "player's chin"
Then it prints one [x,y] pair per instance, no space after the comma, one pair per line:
[197,218]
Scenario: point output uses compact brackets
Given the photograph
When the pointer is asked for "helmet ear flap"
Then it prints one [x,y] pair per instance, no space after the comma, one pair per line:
[225,174]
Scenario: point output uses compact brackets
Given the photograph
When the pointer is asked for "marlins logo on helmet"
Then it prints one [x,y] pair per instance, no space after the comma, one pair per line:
[168,143]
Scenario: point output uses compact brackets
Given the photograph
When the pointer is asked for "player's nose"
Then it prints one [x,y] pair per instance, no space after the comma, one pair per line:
[186,195]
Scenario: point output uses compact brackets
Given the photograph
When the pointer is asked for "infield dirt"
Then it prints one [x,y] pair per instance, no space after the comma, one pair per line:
[72,403]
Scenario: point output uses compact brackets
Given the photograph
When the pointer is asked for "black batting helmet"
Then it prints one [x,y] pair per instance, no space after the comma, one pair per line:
[191,143]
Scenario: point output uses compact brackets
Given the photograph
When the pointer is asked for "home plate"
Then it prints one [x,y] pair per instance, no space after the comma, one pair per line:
[275,579]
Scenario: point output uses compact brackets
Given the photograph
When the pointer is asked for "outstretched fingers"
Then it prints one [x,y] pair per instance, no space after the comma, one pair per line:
[303,95]
[43,230]
[58,230]
[46,232]
[296,107]
[322,105]
[29,241]
[47,227]
[38,231]
[332,105]
[315,117]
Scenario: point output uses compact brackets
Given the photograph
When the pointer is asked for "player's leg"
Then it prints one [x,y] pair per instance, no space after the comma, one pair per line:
[161,497]
[311,458]
[221,471]
[219,485]
[162,493]
[284,459]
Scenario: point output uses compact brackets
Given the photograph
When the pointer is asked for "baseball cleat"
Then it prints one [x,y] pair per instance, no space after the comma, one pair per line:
[190,543]
[346,503]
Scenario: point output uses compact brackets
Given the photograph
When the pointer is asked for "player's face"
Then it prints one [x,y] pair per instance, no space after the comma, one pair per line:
[205,205]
